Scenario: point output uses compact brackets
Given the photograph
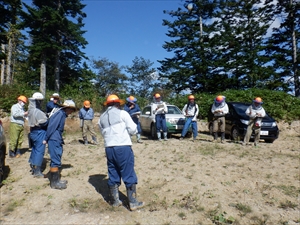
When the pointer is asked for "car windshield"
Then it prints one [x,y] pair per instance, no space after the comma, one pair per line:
[173,110]
[240,109]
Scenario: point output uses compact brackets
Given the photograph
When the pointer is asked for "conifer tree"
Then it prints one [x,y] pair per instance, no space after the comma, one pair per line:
[56,40]
[284,47]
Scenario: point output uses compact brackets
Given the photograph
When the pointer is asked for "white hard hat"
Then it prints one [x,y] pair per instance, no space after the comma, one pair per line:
[38,96]
[69,104]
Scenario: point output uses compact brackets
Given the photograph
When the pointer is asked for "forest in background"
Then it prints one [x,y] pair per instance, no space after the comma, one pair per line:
[220,47]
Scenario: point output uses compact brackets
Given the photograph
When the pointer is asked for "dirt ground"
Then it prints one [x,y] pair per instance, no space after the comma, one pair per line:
[181,182]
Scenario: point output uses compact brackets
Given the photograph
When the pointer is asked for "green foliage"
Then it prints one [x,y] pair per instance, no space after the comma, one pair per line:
[279,105]
[10,93]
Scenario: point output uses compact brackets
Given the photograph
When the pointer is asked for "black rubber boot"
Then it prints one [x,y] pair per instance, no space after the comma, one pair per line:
[215,136]
[55,179]
[94,140]
[12,154]
[114,194]
[36,171]
[85,140]
[222,137]
[134,204]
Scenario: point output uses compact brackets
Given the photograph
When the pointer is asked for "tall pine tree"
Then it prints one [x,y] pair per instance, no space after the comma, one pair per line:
[56,40]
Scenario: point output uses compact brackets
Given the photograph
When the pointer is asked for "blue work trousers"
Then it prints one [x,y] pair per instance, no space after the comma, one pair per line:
[120,164]
[161,123]
[55,151]
[38,148]
[138,124]
[187,124]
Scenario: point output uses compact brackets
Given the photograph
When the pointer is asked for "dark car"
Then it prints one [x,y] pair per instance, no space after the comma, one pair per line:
[2,152]
[237,122]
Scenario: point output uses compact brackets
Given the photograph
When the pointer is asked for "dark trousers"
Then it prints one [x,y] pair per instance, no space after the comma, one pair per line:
[55,151]
[120,164]
[38,148]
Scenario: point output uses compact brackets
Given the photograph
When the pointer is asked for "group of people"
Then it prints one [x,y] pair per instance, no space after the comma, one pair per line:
[116,126]
[255,112]
[45,128]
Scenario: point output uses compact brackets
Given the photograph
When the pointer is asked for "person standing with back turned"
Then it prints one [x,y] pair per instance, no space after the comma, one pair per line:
[116,127]
[37,121]
[55,142]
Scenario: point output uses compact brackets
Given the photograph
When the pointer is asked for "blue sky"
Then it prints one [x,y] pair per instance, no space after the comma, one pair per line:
[121,30]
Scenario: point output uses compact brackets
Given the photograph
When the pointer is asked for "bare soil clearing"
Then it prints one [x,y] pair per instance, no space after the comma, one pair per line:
[181,182]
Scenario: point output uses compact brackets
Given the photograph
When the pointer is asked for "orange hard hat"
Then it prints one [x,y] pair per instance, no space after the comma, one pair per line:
[87,104]
[191,97]
[22,98]
[157,95]
[112,99]
[219,98]
[258,100]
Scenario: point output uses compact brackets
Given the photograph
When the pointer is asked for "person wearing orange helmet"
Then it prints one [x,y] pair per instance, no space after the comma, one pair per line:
[190,111]
[160,109]
[219,110]
[16,127]
[86,116]
[134,111]
[116,127]
[255,112]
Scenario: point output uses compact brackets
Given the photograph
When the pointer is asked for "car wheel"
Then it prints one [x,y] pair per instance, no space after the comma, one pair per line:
[269,140]
[211,129]
[235,134]
[153,131]
[2,165]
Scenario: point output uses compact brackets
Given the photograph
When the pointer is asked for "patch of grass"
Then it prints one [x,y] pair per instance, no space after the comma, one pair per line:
[82,205]
[260,221]
[287,204]
[220,218]
[14,204]
[289,190]
[182,215]
[11,180]
[244,209]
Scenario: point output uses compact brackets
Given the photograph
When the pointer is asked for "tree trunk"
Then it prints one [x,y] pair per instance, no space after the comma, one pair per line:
[57,72]
[43,76]
[2,65]
[8,65]
[294,49]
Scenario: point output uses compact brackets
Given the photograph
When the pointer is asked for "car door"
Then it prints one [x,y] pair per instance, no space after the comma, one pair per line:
[146,119]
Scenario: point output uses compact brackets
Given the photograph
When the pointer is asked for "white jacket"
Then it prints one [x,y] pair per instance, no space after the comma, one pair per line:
[116,126]
[220,110]
[191,110]
[159,108]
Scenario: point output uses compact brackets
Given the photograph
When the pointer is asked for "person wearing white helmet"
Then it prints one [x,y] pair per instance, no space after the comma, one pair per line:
[53,103]
[37,121]
[55,141]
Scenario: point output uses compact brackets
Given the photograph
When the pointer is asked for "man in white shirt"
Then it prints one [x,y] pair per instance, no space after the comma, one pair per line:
[116,127]
[219,109]
[255,112]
